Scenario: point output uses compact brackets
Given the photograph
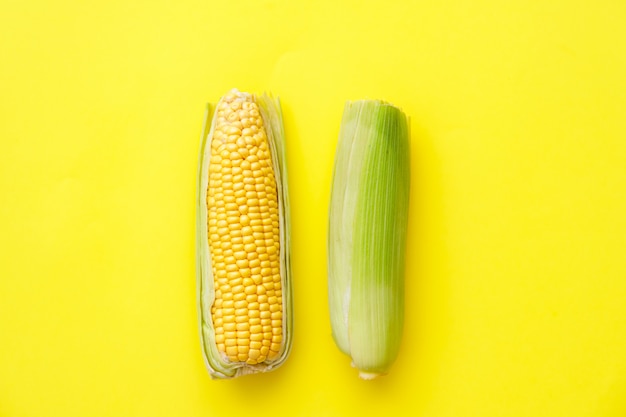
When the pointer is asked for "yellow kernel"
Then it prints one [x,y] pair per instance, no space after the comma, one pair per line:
[254,354]
[243,336]
[242,326]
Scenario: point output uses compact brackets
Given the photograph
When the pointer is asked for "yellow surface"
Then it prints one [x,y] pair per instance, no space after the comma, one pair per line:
[516,280]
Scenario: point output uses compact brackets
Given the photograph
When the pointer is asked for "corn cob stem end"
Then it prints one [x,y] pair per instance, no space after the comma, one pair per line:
[368,376]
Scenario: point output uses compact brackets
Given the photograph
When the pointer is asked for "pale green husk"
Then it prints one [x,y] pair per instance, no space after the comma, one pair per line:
[218,365]
[367,234]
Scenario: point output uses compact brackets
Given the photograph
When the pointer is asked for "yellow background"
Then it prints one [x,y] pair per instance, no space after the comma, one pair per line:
[516,280]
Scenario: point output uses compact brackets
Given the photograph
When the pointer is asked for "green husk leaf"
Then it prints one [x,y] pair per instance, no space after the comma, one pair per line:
[367,234]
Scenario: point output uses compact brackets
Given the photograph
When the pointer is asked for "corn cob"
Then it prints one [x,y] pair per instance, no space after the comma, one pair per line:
[242,237]
[367,234]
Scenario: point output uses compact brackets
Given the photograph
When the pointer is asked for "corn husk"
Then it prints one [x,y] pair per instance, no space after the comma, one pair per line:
[367,234]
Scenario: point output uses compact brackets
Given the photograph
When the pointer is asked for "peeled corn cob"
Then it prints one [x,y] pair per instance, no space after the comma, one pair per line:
[243,238]
[367,234]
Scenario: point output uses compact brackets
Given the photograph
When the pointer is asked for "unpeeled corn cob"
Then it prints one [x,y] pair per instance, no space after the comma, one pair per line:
[367,234]
[243,266]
